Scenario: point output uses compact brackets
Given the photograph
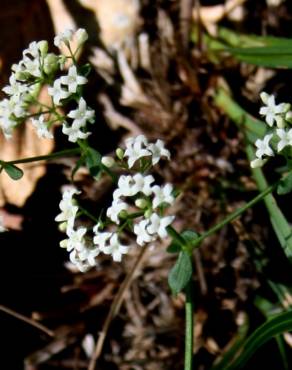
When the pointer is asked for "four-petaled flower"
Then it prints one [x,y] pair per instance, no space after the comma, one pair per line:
[162,195]
[115,248]
[158,225]
[64,37]
[272,111]
[81,115]
[74,133]
[158,150]
[134,149]
[42,128]
[285,137]
[57,92]
[263,147]
[73,80]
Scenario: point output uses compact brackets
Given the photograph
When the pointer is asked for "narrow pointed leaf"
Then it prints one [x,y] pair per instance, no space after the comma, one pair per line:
[274,326]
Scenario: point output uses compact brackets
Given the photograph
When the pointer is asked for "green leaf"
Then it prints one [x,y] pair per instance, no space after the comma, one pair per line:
[181,273]
[285,185]
[93,161]
[277,325]
[15,173]
[272,57]
[233,348]
[188,235]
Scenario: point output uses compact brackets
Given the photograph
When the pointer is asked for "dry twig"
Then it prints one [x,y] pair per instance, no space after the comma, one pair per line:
[27,320]
[115,307]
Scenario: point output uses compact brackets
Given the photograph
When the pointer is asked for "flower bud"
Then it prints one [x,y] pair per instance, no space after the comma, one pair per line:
[256,163]
[81,36]
[62,227]
[288,116]
[120,153]
[287,107]
[64,243]
[43,47]
[51,63]
[107,161]
[148,213]
[280,121]
[141,203]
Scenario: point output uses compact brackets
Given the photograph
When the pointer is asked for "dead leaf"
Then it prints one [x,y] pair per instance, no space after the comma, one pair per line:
[30,20]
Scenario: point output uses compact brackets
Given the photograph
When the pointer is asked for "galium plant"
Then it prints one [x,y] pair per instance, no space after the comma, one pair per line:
[139,207]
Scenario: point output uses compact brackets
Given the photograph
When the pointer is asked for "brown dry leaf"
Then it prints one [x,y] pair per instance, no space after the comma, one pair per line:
[28,21]
[211,15]
[24,143]
[118,20]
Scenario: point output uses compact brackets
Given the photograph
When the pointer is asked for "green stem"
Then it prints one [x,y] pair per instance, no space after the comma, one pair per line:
[189,328]
[189,309]
[62,153]
[176,236]
[235,214]
[88,214]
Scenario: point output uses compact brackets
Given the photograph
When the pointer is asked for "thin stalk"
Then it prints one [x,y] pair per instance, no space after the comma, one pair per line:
[177,237]
[189,309]
[62,153]
[235,214]
[189,328]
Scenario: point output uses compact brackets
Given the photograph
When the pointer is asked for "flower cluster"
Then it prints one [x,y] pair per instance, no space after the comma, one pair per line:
[82,251]
[40,68]
[138,206]
[279,138]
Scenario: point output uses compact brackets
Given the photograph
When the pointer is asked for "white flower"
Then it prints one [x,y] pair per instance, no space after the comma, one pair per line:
[101,238]
[79,262]
[158,150]
[32,66]
[81,114]
[76,239]
[143,235]
[15,88]
[64,37]
[263,147]
[134,149]
[88,255]
[158,225]
[57,92]
[73,80]
[116,208]
[116,249]
[129,186]
[42,128]
[67,206]
[271,111]
[285,138]
[32,50]
[74,133]
[162,195]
